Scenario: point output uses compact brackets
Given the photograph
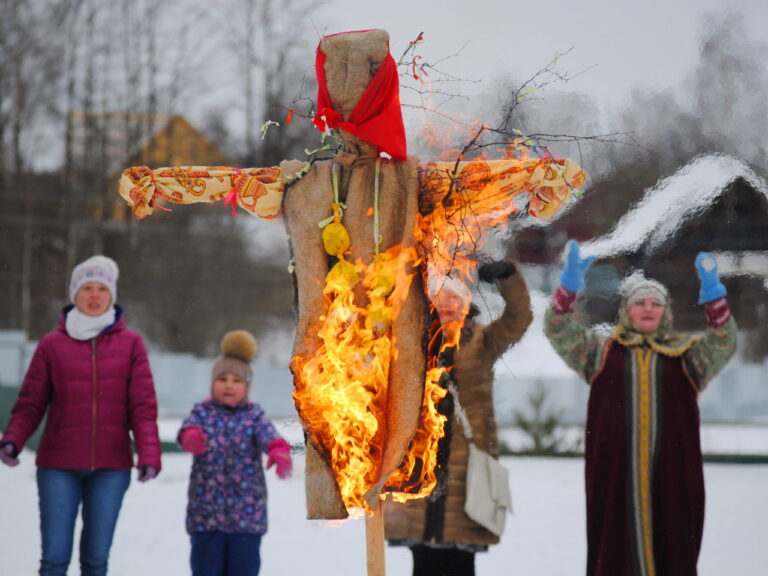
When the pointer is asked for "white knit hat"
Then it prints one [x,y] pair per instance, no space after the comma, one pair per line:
[637,287]
[95,269]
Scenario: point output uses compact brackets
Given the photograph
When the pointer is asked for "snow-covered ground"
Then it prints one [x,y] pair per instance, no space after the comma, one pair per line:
[544,537]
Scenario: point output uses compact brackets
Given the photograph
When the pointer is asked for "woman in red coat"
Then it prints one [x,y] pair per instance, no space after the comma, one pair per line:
[92,376]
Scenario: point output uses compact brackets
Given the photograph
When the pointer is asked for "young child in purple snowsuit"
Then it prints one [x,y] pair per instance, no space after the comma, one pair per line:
[227,498]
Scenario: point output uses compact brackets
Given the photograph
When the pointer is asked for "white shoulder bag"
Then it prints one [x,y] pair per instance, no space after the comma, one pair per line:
[488,498]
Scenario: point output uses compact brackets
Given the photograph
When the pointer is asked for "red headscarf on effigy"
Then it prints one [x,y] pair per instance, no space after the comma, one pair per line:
[376,118]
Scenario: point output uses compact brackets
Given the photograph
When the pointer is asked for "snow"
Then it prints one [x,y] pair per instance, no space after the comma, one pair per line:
[674,199]
[533,356]
[545,536]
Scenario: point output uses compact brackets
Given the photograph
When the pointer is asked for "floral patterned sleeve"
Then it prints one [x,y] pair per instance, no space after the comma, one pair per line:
[577,345]
[709,355]
[193,419]
[264,431]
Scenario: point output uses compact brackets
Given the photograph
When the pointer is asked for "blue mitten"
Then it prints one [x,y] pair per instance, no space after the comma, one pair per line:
[711,287]
[572,278]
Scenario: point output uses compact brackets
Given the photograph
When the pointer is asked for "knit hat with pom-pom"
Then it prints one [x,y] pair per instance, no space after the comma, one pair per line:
[238,349]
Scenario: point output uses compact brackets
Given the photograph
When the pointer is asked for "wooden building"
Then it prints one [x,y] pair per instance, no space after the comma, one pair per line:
[175,142]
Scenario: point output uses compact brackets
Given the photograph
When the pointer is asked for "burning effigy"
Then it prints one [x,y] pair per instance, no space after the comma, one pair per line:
[383,249]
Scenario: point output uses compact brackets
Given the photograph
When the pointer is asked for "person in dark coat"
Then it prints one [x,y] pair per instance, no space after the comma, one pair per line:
[442,538]
[92,376]
[644,472]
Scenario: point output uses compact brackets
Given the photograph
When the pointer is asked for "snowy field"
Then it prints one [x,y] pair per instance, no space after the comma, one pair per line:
[544,537]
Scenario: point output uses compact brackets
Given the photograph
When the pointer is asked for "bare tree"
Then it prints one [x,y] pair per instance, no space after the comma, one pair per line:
[728,89]
[269,44]
[29,65]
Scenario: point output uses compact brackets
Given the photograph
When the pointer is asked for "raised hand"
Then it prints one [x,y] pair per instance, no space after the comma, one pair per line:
[493,270]
[711,287]
[572,278]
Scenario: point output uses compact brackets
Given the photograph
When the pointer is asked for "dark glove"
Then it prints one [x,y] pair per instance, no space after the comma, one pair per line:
[711,287]
[146,473]
[8,454]
[496,270]
[572,278]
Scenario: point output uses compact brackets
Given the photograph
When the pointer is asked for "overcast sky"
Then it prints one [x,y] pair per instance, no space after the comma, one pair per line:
[623,44]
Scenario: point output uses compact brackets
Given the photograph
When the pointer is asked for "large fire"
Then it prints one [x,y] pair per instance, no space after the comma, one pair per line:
[341,392]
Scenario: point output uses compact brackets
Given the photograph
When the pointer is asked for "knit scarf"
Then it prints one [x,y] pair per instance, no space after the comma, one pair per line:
[83,327]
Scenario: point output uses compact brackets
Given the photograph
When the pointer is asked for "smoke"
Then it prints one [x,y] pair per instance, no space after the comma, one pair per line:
[719,107]
[729,87]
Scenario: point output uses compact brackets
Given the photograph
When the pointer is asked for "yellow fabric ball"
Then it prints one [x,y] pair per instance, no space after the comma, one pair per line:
[336,239]
[342,275]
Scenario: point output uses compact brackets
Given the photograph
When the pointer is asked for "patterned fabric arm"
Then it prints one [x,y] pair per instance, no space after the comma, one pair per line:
[493,186]
[578,346]
[708,356]
[258,191]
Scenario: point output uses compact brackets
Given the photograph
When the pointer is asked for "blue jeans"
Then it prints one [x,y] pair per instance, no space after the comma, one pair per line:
[223,554]
[61,492]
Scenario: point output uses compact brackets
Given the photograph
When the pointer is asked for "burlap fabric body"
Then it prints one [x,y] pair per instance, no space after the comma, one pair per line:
[351,63]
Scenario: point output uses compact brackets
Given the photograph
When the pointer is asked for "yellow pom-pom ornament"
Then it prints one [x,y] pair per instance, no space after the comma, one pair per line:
[336,239]
[343,275]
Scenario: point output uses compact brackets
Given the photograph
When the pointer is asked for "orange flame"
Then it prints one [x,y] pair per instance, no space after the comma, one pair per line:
[458,205]
[341,392]
[446,141]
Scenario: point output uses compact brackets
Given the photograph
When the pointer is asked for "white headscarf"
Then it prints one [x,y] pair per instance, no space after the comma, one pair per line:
[636,287]
[665,340]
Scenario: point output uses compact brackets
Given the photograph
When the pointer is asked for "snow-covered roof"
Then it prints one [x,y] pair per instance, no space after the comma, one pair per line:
[675,199]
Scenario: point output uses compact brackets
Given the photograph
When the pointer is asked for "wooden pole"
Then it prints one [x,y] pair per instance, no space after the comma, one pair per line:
[374,541]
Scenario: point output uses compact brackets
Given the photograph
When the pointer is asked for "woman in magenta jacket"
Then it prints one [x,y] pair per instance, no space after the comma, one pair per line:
[92,376]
